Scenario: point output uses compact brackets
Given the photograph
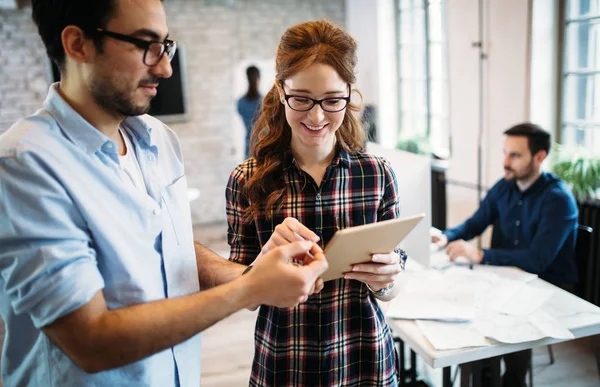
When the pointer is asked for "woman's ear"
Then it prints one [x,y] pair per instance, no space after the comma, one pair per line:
[280,91]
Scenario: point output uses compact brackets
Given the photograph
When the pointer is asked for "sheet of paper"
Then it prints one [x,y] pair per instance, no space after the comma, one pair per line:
[528,299]
[432,295]
[513,329]
[507,272]
[443,335]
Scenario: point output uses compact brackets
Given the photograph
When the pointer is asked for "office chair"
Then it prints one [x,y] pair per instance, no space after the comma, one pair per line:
[585,260]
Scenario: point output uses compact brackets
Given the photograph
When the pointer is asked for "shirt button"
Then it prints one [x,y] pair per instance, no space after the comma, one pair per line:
[150,158]
[516,242]
[520,202]
[518,222]
[156,211]
[318,197]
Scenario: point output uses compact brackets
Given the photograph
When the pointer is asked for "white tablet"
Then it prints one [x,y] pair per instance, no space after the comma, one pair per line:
[356,244]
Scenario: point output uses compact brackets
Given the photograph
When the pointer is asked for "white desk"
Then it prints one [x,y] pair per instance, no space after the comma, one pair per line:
[579,316]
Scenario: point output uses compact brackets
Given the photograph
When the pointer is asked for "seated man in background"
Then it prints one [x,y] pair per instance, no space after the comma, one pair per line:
[537,215]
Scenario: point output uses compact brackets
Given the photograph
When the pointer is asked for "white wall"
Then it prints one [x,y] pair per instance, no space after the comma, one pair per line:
[506,85]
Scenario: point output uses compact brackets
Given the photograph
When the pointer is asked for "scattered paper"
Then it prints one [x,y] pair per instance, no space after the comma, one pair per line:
[529,299]
[514,329]
[444,335]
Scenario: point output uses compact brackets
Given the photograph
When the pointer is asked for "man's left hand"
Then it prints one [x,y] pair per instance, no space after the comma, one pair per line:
[379,273]
[460,248]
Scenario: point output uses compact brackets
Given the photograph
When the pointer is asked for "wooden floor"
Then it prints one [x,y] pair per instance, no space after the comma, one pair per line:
[227,347]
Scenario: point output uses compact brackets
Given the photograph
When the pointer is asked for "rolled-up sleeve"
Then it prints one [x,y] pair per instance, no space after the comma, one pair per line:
[47,259]
[241,235]
[389,208]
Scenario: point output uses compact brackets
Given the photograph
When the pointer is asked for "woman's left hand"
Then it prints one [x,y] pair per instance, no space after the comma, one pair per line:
[379,273]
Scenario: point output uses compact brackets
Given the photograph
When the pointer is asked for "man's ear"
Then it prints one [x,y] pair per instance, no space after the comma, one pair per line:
[77,45]
[540,156]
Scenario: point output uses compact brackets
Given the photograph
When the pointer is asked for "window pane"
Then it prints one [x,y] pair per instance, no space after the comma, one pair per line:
[436,27]
[437,60]
[422,86]
[582,98]
[582,8]
[408,4]
[583,46]
[413,125]
[436,97]
[583,136]
[412,96]
[438,135]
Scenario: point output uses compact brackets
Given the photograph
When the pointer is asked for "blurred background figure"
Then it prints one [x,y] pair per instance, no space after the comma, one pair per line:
[369,122]
[249,105]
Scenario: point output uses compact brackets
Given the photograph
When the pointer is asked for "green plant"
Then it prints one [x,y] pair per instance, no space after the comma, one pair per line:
[418,145]
[580,171]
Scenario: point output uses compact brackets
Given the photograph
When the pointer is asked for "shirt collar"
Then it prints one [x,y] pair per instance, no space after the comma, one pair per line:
[536,186]
[341,159]
[72,124]
[81,132]
[140,128]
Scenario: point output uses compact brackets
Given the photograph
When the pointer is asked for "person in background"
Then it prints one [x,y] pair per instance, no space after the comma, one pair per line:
[249,105]
[101,283]
[536,214]
[307,178]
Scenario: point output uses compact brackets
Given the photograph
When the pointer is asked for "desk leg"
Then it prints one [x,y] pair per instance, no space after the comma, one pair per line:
[597,352]
[406,376]
[413,365]
[402,363]
[495,377]
[447,377]
[465,375]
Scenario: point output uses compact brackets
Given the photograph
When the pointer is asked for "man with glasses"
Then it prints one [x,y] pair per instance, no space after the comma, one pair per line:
[99,276]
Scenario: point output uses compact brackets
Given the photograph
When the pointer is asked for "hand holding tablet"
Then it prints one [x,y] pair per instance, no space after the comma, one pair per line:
[355,245]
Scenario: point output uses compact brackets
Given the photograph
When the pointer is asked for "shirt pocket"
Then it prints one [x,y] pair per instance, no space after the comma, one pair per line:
[175,200]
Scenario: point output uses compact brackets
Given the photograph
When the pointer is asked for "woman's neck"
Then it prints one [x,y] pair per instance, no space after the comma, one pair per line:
[310,158]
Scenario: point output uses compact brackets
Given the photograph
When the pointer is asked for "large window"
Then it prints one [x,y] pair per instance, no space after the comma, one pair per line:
[422,74]
[580,114]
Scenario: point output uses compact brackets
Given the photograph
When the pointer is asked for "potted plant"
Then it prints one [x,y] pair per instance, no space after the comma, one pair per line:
[418,145]
[580,171]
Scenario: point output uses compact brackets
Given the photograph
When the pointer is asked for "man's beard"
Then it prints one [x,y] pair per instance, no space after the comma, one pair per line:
[523,176]
[116,102]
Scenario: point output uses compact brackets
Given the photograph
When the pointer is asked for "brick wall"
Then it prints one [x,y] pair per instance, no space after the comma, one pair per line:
[217,36]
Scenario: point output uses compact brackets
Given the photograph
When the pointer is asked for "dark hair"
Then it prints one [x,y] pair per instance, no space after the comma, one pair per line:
[52,16]
[300,47]
[253,75]
[537,138]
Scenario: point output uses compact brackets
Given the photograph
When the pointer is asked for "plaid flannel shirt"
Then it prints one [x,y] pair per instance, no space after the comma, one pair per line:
[339,337]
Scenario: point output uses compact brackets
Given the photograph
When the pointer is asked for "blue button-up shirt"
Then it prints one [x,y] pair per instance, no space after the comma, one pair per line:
[70,226]
[539,227]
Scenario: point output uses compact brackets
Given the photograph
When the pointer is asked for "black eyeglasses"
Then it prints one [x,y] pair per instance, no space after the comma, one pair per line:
[153,50]
[304,104]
